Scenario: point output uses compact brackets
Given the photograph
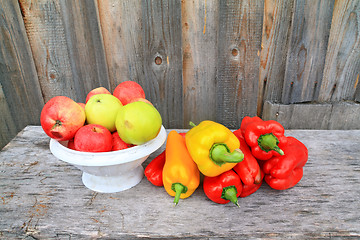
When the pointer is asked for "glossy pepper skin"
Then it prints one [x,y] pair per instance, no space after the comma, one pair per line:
[283,172]
[213,147]
[223,188]
[246,121]
[249,189]
[265,139]
[181,175]
[248,169]
[154,169]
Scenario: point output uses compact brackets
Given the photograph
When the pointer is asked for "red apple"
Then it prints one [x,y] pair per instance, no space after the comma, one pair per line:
[118,143]
[141,100]
[99,90]
[71,144]
[61,117]
[93,138]
[128,90]
[82,105]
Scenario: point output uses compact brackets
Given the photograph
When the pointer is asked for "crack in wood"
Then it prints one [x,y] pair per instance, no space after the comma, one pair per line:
[30,165]
[90,202]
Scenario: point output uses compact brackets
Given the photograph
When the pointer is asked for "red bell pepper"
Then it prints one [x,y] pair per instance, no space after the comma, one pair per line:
[247,190]
[246,121]
[249,169]
[265,139]
[223,188]
[283,172]
[153,170]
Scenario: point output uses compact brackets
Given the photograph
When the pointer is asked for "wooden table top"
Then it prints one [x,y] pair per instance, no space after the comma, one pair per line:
[44,197]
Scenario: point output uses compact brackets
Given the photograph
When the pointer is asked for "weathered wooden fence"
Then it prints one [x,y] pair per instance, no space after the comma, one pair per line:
[296,61]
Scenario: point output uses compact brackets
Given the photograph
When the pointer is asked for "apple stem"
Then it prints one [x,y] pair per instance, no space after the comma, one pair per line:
[58,123]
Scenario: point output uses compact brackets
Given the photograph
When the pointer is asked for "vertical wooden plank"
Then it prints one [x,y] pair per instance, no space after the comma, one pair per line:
[121,24]
[46,35]
[146,50]
[274,46]
[66,42]
[21,98]
[162,59]
[85,46]
[309,36]
[199,51]
[8,128]
[238,60]
[342,64]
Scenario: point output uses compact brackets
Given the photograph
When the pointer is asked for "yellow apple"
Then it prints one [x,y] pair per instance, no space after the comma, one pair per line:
[102,109]
[138,122]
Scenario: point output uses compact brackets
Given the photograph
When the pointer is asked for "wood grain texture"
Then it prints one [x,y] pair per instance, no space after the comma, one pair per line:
[200,21]
[274,48]
[238,60]
[309,34]
[85,46]
[298,116]
[20,93]
[341,116]
[342,64]
[196,60]
[121,24]
[8,128]
[67,46]
[162,59]
[42,197]
[345,115]
[143,44]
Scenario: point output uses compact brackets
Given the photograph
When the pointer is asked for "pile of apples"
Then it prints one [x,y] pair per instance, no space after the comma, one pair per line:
[105,122]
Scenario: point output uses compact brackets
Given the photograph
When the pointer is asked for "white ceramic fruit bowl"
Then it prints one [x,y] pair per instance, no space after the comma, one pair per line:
[109,172]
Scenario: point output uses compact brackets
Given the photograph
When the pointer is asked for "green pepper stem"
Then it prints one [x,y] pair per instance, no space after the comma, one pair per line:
[178,188]
[220,154]
[229,193]
[268,142]
[192,124]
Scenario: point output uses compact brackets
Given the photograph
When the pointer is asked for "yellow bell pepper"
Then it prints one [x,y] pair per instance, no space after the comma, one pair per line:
[213,147]
[181,175]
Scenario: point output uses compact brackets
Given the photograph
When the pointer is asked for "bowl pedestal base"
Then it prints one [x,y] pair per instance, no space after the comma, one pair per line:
[112,184]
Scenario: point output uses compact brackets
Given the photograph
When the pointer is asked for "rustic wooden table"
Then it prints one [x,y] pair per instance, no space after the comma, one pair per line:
[43,197]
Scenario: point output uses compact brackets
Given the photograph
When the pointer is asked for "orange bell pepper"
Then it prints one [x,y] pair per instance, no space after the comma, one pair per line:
[181,176]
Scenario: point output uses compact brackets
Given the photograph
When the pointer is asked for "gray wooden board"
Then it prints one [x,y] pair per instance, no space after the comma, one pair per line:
[43,197]
[200,24]
[67,46]
[342,63]
[274,47]
[239,42]
[337,116]
[20,94]
[162,59]
[309,34]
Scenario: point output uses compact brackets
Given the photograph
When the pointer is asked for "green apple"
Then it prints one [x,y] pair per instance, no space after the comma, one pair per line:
[138,122]
[102,109]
